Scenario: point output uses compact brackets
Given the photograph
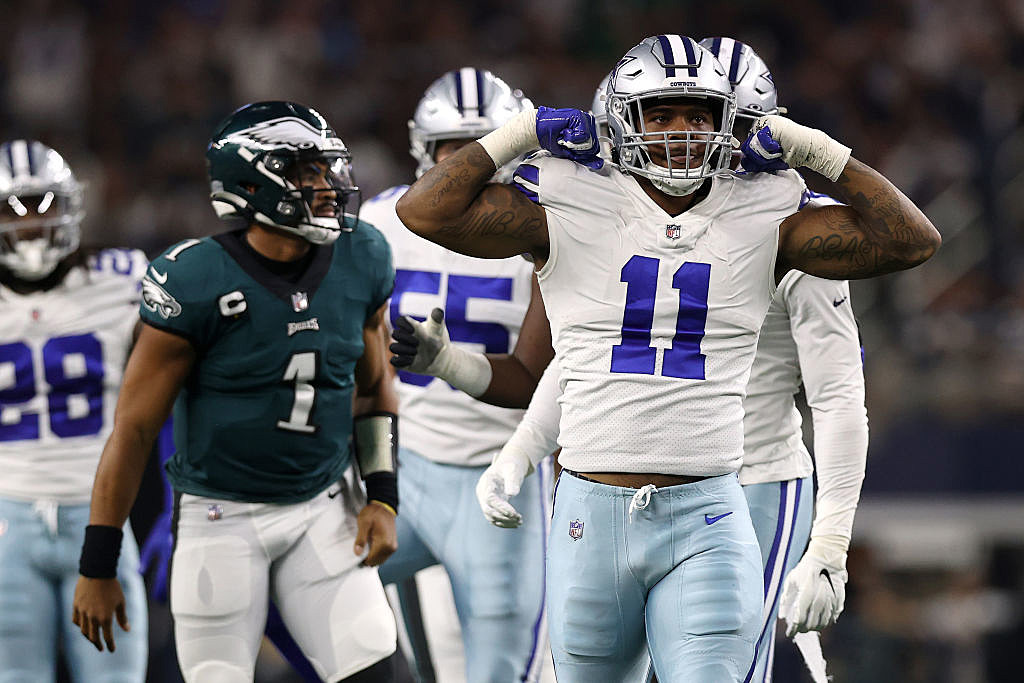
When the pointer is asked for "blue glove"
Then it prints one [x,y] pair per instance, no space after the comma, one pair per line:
[761,151]
[158,548]
[569,134]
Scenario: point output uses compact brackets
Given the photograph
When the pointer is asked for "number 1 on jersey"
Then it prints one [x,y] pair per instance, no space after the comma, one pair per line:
[301,370]
[635,355]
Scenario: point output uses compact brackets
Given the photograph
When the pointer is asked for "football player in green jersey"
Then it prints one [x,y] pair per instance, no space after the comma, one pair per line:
[271,339]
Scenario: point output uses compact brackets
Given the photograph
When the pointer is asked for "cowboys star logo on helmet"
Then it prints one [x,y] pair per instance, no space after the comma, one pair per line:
[644,78]
[158,300]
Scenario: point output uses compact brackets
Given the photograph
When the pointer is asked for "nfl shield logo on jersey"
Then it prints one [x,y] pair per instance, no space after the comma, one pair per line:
[673,232]
[300,301]
[575,529]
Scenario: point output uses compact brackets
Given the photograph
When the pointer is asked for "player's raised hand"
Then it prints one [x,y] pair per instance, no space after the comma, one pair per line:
[814,592]
[157,550]
[95,604]
[569,134]
[421,347]
[501,481]
[376,529]
[426,349]
[776,142]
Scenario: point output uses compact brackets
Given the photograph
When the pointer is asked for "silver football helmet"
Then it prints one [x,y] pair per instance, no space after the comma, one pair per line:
[600,112]
[464,104]
[670,66]
[41,211]
[751,81]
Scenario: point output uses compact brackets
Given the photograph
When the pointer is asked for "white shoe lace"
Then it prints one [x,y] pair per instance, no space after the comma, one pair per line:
[641,499]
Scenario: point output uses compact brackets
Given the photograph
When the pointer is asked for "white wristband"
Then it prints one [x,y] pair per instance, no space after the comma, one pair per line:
[808,147]
[518,136]
[468,372]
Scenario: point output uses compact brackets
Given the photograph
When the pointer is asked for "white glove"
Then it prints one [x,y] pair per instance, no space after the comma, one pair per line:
[501,481]
[815,591]
[426,349]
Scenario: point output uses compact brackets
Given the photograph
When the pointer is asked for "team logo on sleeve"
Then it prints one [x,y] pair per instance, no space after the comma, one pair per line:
[575,529]
[156,299]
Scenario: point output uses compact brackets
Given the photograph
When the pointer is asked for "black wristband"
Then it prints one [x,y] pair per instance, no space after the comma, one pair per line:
[383,487]
[100,551]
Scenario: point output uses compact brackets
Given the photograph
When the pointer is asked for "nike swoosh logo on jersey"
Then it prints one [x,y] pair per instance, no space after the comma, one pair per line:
[158,276]
[838,302]
[708,519]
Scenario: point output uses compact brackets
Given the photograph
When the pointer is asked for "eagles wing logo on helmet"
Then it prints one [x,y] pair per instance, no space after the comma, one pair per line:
[288,132]
[156,299]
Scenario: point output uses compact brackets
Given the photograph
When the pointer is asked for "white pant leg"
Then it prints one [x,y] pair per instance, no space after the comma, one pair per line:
[219,580]
[334,608]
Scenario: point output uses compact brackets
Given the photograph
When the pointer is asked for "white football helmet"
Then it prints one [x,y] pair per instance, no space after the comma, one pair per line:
[600,112]
[464,104]
[41,211]
[669,66]
[751,81]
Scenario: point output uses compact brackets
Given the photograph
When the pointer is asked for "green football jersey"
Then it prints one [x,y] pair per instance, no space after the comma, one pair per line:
[266,414]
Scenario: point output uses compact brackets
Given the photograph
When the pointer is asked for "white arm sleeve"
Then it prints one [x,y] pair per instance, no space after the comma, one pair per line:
[828,345]
[537,433]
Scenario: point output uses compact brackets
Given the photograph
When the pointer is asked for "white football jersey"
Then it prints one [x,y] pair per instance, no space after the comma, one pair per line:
[809,337]
[484,301]
[655,317]
[62,357]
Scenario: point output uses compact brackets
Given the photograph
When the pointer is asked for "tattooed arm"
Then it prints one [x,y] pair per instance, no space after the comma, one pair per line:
[879,231]
[454,205]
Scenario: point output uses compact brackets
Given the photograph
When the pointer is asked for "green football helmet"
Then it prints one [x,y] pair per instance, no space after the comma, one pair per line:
[254,159]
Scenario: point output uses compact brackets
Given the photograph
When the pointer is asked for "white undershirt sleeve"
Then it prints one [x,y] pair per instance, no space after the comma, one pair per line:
[828,345]
[537,433]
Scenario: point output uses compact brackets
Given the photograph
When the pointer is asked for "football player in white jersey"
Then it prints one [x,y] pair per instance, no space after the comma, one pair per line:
[651,537]
[809,337]
[66,321]
[448,437]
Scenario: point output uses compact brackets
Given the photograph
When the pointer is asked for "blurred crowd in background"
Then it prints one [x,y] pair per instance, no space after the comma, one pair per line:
[930,92]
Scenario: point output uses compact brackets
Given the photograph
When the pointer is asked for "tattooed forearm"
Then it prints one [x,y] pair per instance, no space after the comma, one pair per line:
[878,231]
[887,217]
[454,205]
[491,223]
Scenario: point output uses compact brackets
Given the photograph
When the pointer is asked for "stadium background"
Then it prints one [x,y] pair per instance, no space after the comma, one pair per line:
[930,92]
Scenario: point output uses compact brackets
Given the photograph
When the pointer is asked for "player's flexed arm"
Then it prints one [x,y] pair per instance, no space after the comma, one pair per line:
[156,371]
[453,204]
[375,426]
[879,231]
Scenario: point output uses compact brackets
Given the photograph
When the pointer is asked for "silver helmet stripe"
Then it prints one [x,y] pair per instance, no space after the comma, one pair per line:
[468,90]
[18,152]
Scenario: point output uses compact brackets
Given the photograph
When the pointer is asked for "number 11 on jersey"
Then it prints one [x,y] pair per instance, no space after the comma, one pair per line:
[635,355]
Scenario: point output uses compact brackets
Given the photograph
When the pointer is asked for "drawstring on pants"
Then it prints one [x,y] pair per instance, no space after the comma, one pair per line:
[641,499]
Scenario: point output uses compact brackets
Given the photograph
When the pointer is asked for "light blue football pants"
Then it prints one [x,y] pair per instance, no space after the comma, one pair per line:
[782,513]
[39,548]
[497,575]
[675,572]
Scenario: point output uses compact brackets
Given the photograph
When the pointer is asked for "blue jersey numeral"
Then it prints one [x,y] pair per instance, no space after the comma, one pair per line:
[635,355]
[461,288]
[23,390]
[64,382]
